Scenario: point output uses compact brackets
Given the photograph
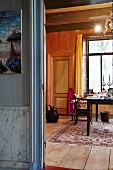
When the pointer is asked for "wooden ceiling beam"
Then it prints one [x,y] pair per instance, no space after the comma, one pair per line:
[76,22]
[79,8]
[72,27]
[77,16]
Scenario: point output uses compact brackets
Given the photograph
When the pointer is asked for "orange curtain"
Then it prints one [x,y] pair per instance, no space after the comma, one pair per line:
[78,66]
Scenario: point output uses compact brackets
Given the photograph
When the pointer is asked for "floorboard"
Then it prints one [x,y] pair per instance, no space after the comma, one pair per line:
[49,147]
[76,157]
[98,159]
[61,157]
[57,154]
[111,160]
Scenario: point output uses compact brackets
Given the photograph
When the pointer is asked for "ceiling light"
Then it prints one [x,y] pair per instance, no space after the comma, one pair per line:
[98,28]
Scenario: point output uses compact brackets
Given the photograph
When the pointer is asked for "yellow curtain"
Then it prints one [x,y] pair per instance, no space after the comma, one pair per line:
[78,66]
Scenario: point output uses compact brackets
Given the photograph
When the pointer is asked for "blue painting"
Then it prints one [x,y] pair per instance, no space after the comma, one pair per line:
[10,42]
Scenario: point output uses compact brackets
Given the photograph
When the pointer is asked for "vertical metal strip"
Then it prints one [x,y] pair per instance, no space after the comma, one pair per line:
[32,111]
[42,73]
[37,74]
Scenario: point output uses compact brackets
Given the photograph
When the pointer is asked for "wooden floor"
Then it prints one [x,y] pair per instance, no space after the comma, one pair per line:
[76,157]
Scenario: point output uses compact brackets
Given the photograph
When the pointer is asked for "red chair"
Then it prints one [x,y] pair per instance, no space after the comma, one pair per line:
[70,98]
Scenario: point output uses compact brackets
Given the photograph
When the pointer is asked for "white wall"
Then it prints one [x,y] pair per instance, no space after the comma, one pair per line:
[15,100]
[15,88]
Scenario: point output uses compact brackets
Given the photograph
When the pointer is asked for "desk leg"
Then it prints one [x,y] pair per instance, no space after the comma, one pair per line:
[88,118]
[96,112]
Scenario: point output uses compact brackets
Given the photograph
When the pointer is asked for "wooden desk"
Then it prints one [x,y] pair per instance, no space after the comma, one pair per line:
[96,101]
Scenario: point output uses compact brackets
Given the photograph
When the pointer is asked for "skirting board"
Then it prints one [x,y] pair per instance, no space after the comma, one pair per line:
[6,165]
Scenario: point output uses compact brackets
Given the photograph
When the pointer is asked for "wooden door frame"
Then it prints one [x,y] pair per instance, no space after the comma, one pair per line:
[49,71]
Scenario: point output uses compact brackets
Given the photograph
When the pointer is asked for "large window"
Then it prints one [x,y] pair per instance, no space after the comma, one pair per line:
[100,65]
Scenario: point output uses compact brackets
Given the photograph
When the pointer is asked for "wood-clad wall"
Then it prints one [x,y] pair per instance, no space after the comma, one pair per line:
[60,42]
[60,48]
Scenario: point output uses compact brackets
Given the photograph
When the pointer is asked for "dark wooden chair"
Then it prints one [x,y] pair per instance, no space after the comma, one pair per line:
[80,110]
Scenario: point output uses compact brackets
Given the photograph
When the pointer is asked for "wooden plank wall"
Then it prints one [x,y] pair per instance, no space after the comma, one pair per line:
[64,42]
[103,108]
[60,42]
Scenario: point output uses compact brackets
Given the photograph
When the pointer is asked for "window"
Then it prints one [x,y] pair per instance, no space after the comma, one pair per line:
[100,60]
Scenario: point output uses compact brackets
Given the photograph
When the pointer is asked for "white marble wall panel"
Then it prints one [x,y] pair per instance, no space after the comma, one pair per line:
[19,135]
[8,165]
[14,134]
[28,136]
[5,135]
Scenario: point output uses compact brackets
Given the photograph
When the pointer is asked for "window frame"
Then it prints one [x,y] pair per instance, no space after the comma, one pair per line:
[95,54]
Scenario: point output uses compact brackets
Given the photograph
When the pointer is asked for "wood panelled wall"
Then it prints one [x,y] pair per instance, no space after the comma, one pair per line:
[62,45]
[60,48]
[60,42]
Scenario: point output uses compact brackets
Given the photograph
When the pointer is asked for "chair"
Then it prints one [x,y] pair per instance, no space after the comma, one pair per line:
[69,105]
[80,109]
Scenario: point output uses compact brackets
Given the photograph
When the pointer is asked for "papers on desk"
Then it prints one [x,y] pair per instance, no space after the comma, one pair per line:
[93,97]
[99,97]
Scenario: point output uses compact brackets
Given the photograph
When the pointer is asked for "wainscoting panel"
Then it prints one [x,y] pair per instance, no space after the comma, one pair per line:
[61,77]
[14,135]
[61,102]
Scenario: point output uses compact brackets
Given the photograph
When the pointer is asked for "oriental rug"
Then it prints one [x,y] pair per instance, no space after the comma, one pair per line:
[101,134]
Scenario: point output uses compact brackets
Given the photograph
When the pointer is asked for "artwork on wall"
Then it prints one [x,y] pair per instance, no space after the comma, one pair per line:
[10,41]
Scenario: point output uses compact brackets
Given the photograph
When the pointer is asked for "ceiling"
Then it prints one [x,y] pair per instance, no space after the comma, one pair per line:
[55,4]
[65,15]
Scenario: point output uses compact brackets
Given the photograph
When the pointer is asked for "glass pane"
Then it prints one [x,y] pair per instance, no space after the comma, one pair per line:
[95,73]
[101,46]
[107,70]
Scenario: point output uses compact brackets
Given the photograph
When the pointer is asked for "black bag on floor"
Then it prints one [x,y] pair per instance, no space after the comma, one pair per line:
[51,114]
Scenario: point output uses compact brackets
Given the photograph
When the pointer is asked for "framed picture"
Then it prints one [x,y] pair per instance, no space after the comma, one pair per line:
[10,42]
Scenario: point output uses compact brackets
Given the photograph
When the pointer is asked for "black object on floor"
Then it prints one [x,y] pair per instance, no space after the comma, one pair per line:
[51,114]
[105,116]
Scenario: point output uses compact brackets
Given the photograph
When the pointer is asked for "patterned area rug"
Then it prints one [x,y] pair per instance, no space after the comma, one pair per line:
[101,134]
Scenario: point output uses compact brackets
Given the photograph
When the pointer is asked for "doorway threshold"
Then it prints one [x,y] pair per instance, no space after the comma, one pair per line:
[58,168]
